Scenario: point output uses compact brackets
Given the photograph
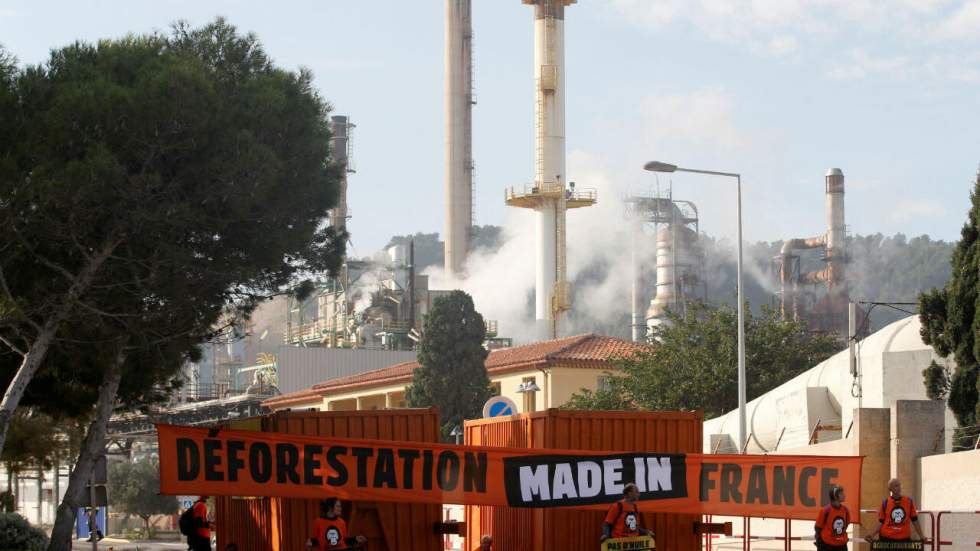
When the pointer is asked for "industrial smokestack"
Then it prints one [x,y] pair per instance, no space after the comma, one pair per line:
[549,196]
[340,139]
[459,130]
[836,231]
[830,313]
[549,162]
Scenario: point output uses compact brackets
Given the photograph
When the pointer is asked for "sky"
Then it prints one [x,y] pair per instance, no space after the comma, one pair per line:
[777,90]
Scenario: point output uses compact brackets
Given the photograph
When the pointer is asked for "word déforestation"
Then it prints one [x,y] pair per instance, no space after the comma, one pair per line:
[288,463]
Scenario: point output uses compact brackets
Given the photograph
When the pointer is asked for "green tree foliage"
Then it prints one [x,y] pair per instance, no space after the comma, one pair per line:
[32,442]
[937,381]
[950,320]
[155,184]
[135,487]
[452,375]
[166,158]
[693,363]
[16,534]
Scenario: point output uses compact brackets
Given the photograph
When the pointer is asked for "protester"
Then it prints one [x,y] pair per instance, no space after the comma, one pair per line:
[486,543]
[330,530]
[623,518]
[830,530]
[94,534]
[895,516]
[200,538]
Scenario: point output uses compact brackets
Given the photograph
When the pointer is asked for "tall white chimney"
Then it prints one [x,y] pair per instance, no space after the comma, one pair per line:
[459,138]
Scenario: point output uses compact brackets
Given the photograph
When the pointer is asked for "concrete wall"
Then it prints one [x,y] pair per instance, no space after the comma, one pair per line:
[300,367]
[556,389]
[951,482]
[916,431]
[566,381]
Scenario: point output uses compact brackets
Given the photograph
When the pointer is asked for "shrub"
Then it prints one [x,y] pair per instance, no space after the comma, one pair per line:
[16,534]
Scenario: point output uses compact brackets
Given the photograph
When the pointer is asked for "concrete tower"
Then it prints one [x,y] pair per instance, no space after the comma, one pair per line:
[459,134]
[550,195]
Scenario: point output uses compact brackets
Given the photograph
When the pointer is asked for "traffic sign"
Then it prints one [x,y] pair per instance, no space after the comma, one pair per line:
[99,473]
[98,494]
[499,406]
[186,502]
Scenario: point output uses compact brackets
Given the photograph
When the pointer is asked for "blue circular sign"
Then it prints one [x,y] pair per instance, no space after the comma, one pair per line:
[499,406]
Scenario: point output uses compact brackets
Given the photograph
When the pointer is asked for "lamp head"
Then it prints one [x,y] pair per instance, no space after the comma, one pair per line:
[657,166]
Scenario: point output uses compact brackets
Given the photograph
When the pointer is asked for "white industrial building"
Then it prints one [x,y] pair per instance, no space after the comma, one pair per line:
[882,415]
[889,364]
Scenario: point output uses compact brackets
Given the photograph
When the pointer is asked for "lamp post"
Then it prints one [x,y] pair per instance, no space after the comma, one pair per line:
[657,166]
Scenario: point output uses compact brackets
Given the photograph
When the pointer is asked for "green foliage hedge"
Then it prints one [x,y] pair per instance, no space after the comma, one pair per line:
[16,534]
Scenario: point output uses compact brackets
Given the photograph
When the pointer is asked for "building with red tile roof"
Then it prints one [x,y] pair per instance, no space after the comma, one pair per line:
[559,368]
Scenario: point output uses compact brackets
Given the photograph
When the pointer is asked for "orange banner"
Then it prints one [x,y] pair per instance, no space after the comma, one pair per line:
[196,461]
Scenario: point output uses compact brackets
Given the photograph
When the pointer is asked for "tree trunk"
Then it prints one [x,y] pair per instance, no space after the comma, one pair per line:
[28,367]
[146,526]
[39,348]
[92,447]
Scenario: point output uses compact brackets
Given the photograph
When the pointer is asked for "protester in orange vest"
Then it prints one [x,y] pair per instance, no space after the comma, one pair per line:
[200,540]
[897,512]
[623,518]
[330,530]
[830,530]
[486,543]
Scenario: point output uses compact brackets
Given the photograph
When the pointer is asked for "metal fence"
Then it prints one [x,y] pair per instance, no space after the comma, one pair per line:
[933,525]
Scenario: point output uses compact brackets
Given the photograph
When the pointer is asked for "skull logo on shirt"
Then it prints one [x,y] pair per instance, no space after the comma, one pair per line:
[333,536]
[898,515]
[838,526]
[630,522]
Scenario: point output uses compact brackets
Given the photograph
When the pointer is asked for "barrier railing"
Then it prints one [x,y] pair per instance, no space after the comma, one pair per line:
[940,542]
[934,540]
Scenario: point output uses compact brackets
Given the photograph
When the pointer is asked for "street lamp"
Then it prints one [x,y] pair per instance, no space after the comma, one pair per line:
[657,166]
[529,386]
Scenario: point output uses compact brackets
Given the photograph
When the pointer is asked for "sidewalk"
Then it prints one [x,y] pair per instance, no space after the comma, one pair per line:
[118,544]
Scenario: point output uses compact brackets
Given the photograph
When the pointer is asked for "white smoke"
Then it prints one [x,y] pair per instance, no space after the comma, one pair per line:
[501,281]
[363,289]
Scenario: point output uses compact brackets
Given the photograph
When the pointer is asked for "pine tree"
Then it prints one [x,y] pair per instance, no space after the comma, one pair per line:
[452,375]
[950,322]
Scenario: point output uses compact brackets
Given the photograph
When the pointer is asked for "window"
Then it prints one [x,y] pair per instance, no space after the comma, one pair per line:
[603,384]
[496,388]
[530,398]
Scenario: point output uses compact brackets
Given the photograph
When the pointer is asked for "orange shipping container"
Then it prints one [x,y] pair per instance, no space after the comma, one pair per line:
[281,524]
[571,530]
